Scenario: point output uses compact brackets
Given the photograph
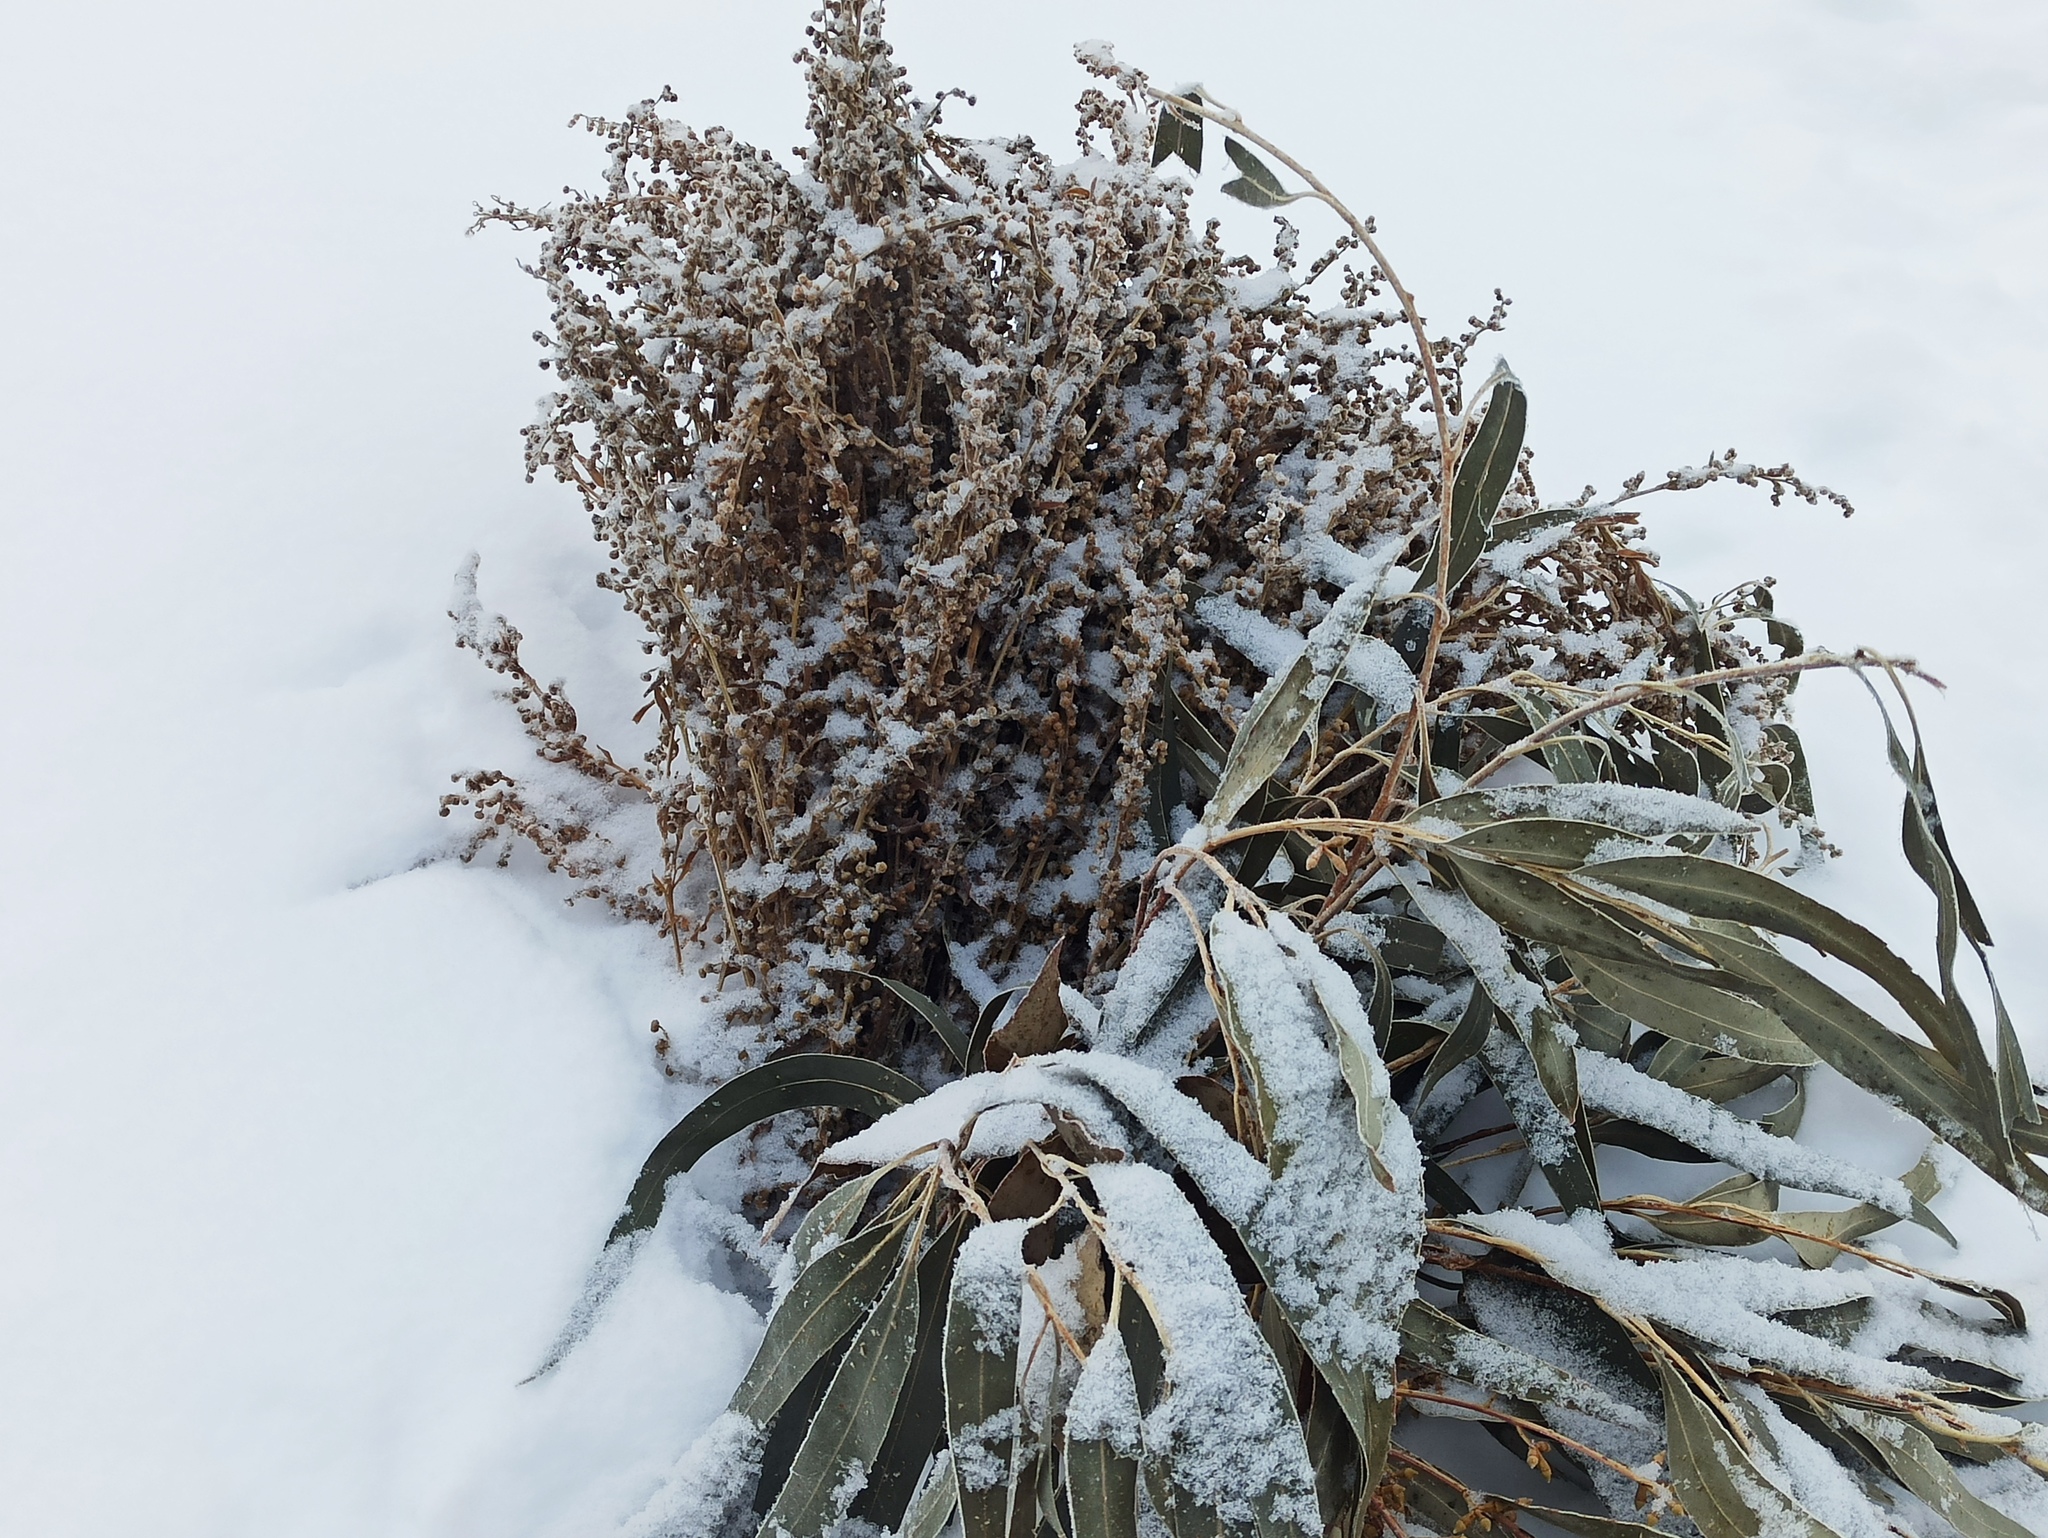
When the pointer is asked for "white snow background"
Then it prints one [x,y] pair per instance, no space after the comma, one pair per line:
[304,1147]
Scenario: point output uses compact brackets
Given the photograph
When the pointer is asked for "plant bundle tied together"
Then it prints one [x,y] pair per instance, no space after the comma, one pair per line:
[1288,927]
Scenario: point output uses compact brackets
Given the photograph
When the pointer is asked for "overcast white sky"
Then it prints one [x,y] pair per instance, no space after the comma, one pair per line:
[297,1171]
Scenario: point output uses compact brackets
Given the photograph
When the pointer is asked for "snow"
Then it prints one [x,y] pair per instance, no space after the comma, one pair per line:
[1225,1421]
[1725,1301]
[1608,1085]
[308,1147]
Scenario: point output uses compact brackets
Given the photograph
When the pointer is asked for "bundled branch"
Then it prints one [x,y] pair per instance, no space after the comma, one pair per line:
[1244,862]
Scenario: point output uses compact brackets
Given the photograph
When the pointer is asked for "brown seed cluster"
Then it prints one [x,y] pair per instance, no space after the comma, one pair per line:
[921,463]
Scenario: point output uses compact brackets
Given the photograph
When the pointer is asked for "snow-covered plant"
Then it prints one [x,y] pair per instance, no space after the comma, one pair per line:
[1347,890]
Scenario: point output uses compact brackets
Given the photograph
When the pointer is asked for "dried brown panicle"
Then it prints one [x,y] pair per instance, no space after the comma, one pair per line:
[915,460]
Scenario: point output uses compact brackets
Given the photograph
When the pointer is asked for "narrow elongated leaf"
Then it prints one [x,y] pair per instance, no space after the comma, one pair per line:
[1861,1049]
[1431,1336]
[799,1082]
[1225,1450]
[1537,909]
[1847,1225]
[1550,1131]
[984,1027]
[802,1081]
[1723,1490]
[832,1219]
[1463,1044]
[1287,704]
[1178,132]
[920,1418]
[1567,756]
[1691,1006]
[983,1316]
[943,1025]
[932,1508]
[829,1298]
[854,1416]
[1104,1442]
[1715,889]
[1562,843]
[1919,1466]
[1738,1193]
[1484,471]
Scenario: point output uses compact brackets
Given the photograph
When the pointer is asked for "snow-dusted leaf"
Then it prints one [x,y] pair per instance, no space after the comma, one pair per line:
[1105,1439]
[1484,470]
[1538,909]
[830,1468]
[1223,1435]
[1714,889]
[984,1311]
[1690,1005]
[1288,703]
[1336,1230]
[1870,1055]
[1433,1337]
[1918,1465]
[1722,1488]
[932,1508]
[1177,131]
[800,1081]
[1558,842]
[835,1216]
[920,1419]
[829,1298]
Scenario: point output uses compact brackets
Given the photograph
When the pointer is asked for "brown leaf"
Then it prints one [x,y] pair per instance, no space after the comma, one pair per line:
[1037,1024]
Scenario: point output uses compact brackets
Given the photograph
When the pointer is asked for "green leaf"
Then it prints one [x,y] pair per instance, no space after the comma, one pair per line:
[1462,1045]
[1862,1050]
[799,1082]
[1178,132]
[1690,1005]
[828,1299]
[981,1374]
[1742,1192]
[1287,705]
[1433,1337]
[1567,756]
[984,1027]
[835,1216]
[920,1418]
[1919,1466]
[802,1081]
[936,1499]
[1102,1477]
[1850,1224]
[1544,1105]
[1484,471]
[1715,889]
[1536,909]
[1560,843]
[1258,186]
[1218,1367]
[927,1010]
[1505,531]
[853,1418]
[1723,1490]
